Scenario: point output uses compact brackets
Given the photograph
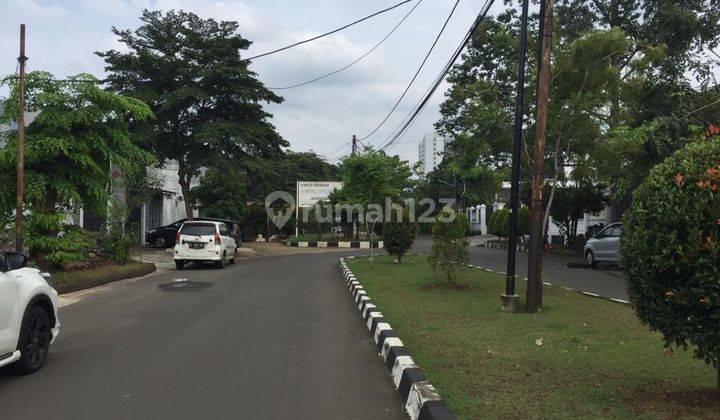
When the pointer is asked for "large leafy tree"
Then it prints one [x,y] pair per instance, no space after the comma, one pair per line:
[207,103]
[79,134]
[627,75]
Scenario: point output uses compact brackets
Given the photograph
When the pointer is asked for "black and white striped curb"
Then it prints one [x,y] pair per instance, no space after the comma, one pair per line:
[493,245]
[421,399]
[335,244]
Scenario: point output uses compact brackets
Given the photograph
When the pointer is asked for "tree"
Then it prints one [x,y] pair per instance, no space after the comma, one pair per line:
[372,179]
[671,250]
[571,203]
[450,247]
[80,132]
[207,103]
[398,237]
[222,193]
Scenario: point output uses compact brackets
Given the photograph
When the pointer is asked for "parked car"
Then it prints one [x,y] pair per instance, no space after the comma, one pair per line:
[204,241]
[28,314]
[604,247]
[163,236]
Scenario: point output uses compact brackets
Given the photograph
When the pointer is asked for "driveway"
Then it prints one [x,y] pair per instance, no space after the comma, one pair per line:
[268,338]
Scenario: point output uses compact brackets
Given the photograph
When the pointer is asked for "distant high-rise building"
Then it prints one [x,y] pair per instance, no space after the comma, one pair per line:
[431,151]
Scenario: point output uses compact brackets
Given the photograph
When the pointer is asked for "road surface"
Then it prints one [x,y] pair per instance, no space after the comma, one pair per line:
[268,338]
[604,281]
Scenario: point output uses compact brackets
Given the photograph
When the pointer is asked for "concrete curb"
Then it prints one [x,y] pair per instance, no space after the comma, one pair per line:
[335,244]
[421,399]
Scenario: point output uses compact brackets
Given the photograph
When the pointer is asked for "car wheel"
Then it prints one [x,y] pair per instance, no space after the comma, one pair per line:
[179,265]
[232,260]
[160,243]
[222,263]
[34,341]
[590,259]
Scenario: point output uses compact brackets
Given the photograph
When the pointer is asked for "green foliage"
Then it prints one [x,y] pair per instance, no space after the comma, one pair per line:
[671,249]
[207,103]
[631,83]
[65,245]
[398,237]
[504,224]
[79,134]
[116,238]
[450,247]
[571,202]
[523,224]
[222,193]
[500,217]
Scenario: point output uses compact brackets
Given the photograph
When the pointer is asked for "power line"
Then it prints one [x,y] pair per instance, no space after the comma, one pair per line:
[432,47]
[329,33]
[357,60]
[438,80]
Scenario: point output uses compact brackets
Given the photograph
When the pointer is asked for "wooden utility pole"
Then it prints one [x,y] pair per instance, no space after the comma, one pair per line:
[20,191]
[533,299]
[354,144]
[510,300]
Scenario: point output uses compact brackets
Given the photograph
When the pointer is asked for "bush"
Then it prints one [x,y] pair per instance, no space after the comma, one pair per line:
[450,247]
[398,237]
[523,224]
[671,250]
[491,222]
[54,245]
[115,240]
[504,224]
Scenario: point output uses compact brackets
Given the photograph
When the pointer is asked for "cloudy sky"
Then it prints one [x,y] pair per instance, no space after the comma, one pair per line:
[62,36]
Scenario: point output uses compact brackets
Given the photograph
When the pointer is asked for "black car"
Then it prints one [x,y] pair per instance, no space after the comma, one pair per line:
[164,236]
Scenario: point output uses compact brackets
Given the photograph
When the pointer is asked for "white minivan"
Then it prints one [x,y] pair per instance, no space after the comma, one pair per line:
[203,241]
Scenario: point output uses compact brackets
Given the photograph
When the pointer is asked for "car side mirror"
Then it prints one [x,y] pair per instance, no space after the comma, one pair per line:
[15,260]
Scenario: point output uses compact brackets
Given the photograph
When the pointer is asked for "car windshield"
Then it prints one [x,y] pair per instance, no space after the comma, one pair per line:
[198,229]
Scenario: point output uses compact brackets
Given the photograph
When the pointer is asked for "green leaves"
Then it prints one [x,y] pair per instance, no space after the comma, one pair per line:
[670,250]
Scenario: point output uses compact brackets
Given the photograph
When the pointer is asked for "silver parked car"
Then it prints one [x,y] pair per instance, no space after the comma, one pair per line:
[605,246]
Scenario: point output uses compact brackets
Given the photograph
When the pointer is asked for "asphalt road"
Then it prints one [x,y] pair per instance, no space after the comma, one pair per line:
[604,281]
[268,338]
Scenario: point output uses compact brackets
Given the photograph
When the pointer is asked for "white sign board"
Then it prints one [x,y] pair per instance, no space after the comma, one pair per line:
[310,193]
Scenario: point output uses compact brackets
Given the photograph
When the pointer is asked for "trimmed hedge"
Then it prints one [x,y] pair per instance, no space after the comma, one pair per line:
[671,249]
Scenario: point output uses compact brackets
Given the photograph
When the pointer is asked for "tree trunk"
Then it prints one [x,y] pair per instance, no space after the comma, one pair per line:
[185,176]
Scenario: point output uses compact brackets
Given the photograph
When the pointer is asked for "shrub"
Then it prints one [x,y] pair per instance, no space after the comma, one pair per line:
[491,222]
[671,250]
[398,237]
[54,245]
[450,247]
[523,224]
[115,240]
[504,223]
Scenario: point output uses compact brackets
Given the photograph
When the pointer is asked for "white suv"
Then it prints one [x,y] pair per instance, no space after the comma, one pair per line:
[28,314]
[201,241]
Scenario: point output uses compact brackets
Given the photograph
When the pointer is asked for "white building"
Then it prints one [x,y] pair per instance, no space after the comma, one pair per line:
[431,151]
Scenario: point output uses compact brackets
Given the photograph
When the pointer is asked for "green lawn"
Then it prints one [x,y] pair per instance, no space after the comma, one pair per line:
[595,360]
[70,281]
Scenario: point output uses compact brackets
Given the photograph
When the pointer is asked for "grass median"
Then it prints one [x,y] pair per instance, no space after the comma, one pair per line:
[578,357]
[72,281]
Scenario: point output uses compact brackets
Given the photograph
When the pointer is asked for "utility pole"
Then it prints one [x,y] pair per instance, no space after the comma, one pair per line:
[354,144]
[20,171]
[510,300]
[533,298]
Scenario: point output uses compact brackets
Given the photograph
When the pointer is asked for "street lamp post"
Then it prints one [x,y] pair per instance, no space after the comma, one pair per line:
[510,300]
